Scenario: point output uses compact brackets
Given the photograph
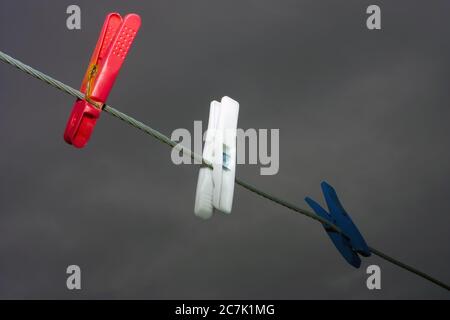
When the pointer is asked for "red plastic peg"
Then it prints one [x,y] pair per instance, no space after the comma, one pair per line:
[112,47]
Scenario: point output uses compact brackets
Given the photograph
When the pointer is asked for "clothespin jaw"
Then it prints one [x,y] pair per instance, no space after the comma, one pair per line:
[215,188]
[112,47]
[81,123]
[350,244]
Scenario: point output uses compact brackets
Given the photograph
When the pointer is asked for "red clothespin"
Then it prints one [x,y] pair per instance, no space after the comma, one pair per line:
[112,47]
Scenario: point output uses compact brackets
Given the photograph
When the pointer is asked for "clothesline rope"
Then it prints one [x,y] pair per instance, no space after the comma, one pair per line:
[165,139]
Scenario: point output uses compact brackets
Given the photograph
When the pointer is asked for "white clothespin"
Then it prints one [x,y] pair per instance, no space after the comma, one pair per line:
[215,187]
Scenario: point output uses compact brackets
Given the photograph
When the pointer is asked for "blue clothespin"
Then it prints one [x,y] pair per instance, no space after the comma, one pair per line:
[350,244]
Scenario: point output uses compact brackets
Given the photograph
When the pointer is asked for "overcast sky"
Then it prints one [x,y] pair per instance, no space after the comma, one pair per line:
[367,111]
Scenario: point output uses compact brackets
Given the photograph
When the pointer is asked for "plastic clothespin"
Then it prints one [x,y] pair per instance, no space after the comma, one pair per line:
[112,47]
[215,188]
[350,244]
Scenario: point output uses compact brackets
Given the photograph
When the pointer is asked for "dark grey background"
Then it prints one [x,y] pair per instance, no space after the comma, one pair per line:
[366,110]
